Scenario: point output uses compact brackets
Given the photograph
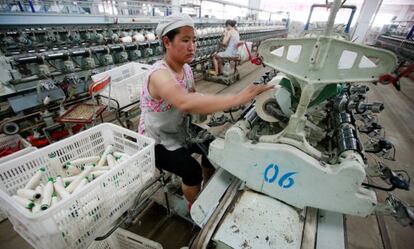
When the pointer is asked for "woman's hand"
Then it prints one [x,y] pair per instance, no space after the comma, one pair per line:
[251,91]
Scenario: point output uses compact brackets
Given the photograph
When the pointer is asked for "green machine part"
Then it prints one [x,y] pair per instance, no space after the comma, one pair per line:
[326,93]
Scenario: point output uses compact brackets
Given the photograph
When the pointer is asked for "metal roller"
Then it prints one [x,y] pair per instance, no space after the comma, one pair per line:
[99,50]
[343,118]
[130,46]
[80,53]
[347,140]
[29,59]
[115,48]
[57,56]
[361,89]
[251,116]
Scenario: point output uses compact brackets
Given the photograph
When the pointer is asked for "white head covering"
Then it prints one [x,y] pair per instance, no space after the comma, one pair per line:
[172,22]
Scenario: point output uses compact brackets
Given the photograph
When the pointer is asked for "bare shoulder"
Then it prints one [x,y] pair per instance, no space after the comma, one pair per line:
[160,77]
[158,81]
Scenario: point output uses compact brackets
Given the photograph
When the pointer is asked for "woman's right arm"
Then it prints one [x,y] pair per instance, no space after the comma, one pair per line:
[162,85]
[226,38]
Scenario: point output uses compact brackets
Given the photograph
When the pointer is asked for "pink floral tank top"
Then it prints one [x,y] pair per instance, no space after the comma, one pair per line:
[148,104]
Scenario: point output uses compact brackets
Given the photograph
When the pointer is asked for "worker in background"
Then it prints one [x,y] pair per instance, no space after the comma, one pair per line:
[168,95]
[231,40]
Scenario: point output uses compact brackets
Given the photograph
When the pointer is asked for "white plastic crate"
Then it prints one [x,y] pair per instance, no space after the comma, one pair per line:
[126,82]
[11,141]
[242,51]
[75,222]
[123,239]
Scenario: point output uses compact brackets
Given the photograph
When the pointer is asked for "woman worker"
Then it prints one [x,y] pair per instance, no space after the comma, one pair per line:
[168,95]
[231,40]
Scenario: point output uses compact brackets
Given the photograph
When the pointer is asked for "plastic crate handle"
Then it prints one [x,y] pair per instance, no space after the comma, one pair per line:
[98,86]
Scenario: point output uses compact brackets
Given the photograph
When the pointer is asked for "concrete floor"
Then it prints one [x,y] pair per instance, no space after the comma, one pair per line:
[361,233]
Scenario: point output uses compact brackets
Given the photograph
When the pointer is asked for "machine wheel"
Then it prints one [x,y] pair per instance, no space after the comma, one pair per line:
[10,128]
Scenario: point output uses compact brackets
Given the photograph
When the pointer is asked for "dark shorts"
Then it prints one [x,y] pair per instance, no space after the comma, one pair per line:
[181,163]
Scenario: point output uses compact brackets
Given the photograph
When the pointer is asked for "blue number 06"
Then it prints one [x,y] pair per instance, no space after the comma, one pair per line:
[285,181]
